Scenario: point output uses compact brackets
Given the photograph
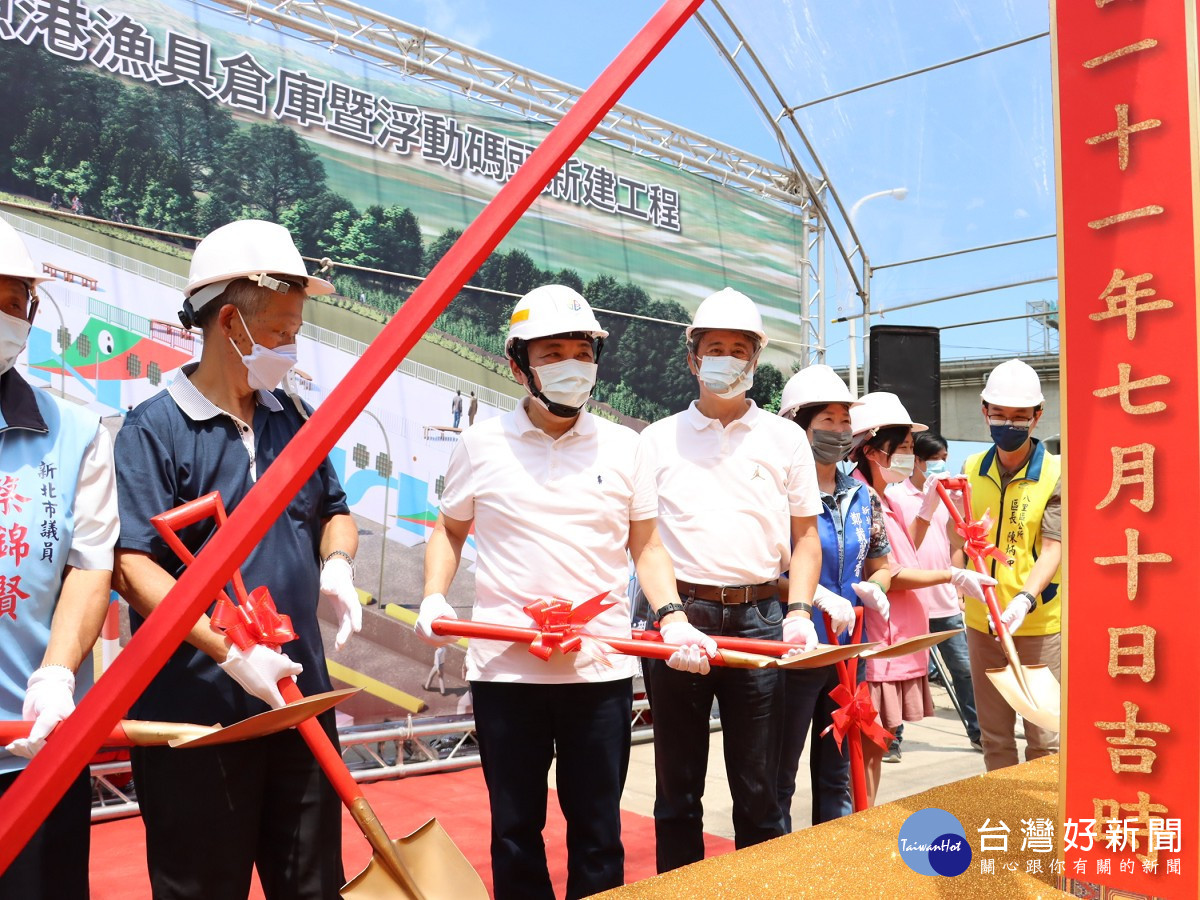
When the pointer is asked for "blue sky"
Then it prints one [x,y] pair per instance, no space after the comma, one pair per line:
[972,143]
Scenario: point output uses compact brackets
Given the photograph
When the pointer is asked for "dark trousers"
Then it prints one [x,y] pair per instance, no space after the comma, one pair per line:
[520,729]
[212,814]
[807,705]
[751,708]
[54,864]
[958,661]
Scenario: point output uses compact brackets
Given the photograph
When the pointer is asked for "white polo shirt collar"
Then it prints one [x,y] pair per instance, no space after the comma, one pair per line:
[700,421]
[199,408]
[523,426]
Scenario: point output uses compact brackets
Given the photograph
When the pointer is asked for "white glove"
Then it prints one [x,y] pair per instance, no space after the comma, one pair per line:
[433,607]
[259,671]
[931,499]
[970,583]
[841,610]
[695,647]
[337,586]
[799,630]
[873,597]
[49,698]
[1014,614]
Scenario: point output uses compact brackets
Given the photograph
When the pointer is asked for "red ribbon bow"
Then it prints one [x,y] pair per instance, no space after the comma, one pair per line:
[977,536]
[256,621]
[856,711]
[560,624]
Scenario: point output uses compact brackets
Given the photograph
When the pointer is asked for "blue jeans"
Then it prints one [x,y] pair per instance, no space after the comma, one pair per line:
[954,655]
[807,703]
[751,707]
[521,727]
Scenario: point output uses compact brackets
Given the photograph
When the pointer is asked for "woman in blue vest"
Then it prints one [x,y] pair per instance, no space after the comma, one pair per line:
[58,524]
[854,548]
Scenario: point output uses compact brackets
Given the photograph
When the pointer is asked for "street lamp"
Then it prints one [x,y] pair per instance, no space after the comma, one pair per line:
[387,448]
[898,193]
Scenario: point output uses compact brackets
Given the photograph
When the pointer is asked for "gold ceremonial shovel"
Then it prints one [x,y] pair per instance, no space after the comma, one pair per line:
[1032,691]
[911,645]
[142,733]
[826,655]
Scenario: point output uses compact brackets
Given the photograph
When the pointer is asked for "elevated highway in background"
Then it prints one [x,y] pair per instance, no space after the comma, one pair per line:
[963,379]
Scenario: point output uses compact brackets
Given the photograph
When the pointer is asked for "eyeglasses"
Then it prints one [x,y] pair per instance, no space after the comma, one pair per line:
[1000,421]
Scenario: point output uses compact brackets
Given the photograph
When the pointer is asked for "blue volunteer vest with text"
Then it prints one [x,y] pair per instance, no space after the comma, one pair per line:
[842,564]
[39,470]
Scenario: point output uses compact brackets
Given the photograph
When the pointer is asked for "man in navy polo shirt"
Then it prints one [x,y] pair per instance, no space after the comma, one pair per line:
[213,814]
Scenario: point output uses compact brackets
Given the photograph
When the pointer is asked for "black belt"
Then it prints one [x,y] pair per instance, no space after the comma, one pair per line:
[729,593]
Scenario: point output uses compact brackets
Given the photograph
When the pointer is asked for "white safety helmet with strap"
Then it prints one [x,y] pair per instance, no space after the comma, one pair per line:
[255,249]
[878,410]
[728,310]
[1014,384]
[552,310]
[815,385]
[15,261]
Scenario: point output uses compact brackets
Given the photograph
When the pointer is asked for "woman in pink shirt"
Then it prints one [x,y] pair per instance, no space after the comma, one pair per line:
[883,455]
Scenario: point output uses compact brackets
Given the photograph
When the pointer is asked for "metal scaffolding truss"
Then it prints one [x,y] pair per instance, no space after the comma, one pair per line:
[419,54]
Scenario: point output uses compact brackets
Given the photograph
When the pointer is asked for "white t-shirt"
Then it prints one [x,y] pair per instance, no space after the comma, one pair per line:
[726,494]
[551,521]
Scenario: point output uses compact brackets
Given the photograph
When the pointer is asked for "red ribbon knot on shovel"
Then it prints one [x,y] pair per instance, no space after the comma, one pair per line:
[856,709]
[976,535]
[256,621]
[560,625]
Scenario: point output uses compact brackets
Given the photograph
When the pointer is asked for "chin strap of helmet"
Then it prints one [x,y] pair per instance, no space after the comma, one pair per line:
[518,352]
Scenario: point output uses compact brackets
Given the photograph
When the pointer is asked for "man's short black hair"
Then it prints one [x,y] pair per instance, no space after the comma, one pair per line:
[929,444]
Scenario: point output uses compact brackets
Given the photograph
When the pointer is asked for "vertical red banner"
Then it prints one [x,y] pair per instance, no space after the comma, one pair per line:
[1126,125]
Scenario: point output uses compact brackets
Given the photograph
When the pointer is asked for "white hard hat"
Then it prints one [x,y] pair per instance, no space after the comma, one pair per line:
[551,309]
[729,310]
[1013,383]
[880,409]
[15,261]
[251,247]
[815,385]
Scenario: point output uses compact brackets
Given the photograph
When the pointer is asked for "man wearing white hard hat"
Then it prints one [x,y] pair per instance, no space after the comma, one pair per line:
[899,688]
[215,813]
[556,497]
[737,508]
[1017,483]
[854,548]
[58,513]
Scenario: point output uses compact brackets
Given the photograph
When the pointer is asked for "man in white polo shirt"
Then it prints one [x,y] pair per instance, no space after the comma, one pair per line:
[556,497]
[737,508]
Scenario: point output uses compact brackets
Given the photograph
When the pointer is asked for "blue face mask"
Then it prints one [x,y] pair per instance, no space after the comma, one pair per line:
[936,467]
[1008,437]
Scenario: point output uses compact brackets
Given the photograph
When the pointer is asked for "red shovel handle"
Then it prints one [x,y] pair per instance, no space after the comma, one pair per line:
[11,731]
[169,523]
[327,755]
[944,486]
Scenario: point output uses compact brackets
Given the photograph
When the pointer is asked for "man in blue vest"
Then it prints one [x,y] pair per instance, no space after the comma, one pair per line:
[58,523]
[214,814]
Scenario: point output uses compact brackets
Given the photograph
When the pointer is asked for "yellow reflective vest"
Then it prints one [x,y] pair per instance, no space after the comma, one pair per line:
[1016,513]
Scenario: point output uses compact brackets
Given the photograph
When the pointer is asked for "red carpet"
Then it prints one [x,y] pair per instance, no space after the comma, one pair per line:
[457,799]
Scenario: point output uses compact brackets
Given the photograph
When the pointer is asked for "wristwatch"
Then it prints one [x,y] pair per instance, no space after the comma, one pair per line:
[667,608]
[800,606]
[1028,596]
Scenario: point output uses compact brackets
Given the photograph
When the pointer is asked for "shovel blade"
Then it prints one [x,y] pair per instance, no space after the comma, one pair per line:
[911,645]
[1041,705]
[436,865]
[271,721]
[824,656]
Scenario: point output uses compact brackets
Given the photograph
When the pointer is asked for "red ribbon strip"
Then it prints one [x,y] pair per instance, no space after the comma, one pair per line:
[560,625]
[856,711]
[256,621]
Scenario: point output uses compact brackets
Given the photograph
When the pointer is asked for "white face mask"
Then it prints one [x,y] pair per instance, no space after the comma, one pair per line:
[266,367]
[14,333]
[727,376]
[902,467]
[569,382]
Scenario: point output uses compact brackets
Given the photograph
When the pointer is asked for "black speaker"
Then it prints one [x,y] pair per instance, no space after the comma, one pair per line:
[907,360]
